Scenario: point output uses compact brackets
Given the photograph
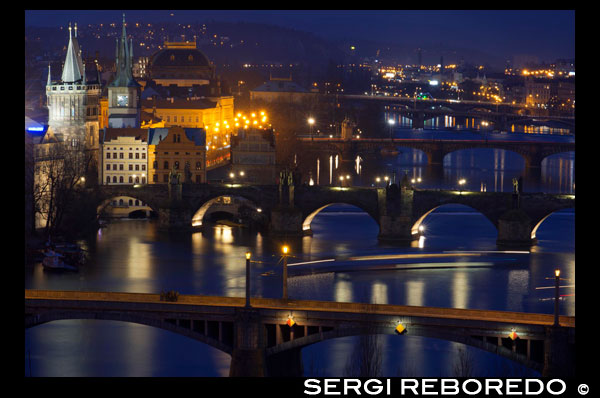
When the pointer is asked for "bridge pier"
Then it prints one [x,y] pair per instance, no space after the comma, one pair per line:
[248,358]
[514,229]
[418,120]
[174,217]
[559,358]
[286,364]
[286,221]
[396,228]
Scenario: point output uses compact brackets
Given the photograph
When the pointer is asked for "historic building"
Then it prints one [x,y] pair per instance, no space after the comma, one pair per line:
[253,156]
[67,153]
[73,101]
[177,150]
[124,91]
[181,64]
[124,157]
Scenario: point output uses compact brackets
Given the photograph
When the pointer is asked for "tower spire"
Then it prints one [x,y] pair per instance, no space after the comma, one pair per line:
[124,61]
[49,82]
[73,66]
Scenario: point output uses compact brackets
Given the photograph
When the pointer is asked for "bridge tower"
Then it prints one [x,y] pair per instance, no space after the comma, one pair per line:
[347,129]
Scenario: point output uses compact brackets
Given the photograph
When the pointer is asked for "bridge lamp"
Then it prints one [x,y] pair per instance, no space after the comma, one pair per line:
[347,176]
[421,228]
[259,210]
[556,295]
[419,179]
[290,321]
[242,173]
[412,181]
[285,250]
[231,175]
[248,255]
[311,121]
[82,179]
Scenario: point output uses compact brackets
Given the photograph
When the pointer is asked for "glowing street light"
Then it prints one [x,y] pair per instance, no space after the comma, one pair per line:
[461,182]
[556,296]
[311,121]
[248,255]
[391,122]
[285,250]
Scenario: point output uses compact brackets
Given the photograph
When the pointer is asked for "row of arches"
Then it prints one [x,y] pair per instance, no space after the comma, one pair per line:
[231,205]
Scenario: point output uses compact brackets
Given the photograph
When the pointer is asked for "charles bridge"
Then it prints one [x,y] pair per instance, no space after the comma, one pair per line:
[287,209]
[265,338]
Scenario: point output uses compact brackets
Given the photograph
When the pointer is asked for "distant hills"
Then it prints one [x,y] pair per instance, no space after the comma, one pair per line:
[256,43]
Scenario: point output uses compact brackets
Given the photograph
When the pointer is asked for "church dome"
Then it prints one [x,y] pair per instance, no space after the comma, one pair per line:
[170,57]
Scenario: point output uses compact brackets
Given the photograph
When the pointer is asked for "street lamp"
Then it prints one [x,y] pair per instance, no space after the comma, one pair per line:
[248,255]
[285,250]
[557,281]
[311,121]
[461,182]
[391,122]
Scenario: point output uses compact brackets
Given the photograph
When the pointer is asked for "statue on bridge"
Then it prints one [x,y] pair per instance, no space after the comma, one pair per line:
[515,183]
[173,176]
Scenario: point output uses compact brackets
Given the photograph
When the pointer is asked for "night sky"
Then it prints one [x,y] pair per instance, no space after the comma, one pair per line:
[546,34]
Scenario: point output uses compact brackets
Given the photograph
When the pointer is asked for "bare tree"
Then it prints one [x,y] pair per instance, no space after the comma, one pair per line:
[60,176]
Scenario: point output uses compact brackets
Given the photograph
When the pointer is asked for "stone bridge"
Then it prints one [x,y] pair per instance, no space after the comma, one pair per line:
[266,338]
[288,210]
[533,152]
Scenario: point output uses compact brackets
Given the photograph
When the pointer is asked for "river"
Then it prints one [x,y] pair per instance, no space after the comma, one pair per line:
[134,256]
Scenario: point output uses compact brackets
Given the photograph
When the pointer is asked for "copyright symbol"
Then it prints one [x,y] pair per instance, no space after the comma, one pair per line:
[583,389]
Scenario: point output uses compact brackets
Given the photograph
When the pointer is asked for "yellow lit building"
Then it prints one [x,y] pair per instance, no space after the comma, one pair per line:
[177,149]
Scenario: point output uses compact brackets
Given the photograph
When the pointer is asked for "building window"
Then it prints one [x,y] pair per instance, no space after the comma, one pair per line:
[198,165]
[121,167]
[108,167]
[130,202]
[155,178]
[137,180]
[143,167]
[137,167]
[166,165]
[176,165]
[165,178]
[137,202]
[155,164]
[144,155]
[130,179]
[115,179]
[121,179]
[198,181]
[107,179]
[120,202]
[115,166]
[121,155]
[130,155]
[137,155]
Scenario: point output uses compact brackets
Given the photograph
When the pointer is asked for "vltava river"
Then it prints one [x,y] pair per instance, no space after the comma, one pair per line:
[133,256]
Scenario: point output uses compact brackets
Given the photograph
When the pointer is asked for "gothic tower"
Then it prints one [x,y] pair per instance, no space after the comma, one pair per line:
[124,92]
[73,102]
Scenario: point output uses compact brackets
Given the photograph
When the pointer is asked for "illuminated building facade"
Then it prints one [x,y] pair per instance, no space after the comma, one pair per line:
[124,157]
[179,150]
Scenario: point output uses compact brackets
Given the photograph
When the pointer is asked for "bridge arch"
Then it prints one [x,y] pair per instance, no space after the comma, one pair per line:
[418,226]
[198,215]
[50,316]
[306,224]
[339,332]
[540,222]
[128,201]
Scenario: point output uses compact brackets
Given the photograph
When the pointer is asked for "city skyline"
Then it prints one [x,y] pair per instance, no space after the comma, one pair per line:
[547,34]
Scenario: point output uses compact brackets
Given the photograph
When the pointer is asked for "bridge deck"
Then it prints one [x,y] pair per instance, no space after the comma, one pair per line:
[307,305]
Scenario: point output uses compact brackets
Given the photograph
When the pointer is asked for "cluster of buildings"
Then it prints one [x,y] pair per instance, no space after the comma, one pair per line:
[133,131]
